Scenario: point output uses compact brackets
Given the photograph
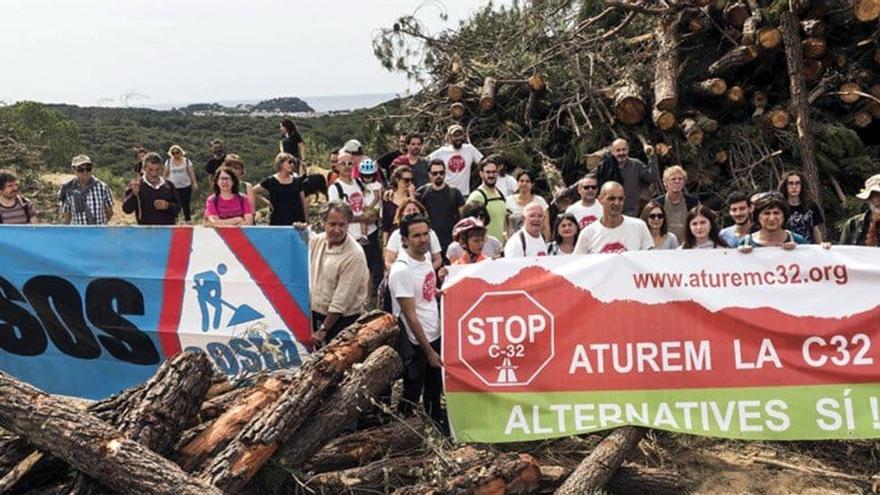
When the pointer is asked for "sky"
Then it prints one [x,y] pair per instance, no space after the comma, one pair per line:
[92,52]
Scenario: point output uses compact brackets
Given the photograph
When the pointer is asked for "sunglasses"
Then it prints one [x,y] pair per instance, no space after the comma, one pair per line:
[345,163]
[656,216]
[589,187]
[84,168]
[436,174]
[406,179]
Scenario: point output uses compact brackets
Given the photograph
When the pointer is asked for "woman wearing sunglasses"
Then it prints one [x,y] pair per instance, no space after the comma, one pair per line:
[655,217]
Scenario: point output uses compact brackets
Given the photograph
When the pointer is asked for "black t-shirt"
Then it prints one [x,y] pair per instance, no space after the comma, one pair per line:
[442,209]
[420,172]
[290,144]
[213,164]
[802,220]
[287,205]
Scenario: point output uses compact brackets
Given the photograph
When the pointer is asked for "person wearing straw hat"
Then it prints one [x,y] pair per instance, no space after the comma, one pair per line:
[864,228]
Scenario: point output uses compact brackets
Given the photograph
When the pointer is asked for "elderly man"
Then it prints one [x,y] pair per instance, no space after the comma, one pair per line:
[528,241]
[152,199]
[676,202]
[85,200]
[864,228]
[459,156]
[631,173]
[338,274]
[614,232]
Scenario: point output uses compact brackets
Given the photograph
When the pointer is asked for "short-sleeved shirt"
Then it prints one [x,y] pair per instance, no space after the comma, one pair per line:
[495,206]
[290,144]
[749,240]
[416,279]
[395,245]
[22,211]
[631,235]
[87,205]
[521,244]
[213,164]
[585,215]
[803,218]
[419,169]
[515,211]
[443,209]
[507,185]
[236,206]
[458,164]
[491,249]
[287,206]
[357,198]
[730,236]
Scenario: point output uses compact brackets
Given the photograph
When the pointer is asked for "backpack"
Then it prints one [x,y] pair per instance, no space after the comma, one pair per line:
[342,194]
[27,208]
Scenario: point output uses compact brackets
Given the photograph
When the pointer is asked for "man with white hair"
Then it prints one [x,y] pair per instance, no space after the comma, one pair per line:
[631,173]
[527,241]
[614,232]
[677,202]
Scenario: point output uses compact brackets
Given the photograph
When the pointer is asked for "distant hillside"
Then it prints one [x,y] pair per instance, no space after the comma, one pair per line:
[275,106]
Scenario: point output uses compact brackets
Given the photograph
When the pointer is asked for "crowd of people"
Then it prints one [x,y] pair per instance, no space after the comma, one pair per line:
[391,226]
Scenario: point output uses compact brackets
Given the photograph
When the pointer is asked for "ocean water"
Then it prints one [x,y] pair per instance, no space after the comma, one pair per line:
[319,103]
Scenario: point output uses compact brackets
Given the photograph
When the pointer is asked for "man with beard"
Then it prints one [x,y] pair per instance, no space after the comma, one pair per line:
[528,241]
[631,173]
[489,196]
[864,228]
[413,287]
[739,207]
[218,156]
[442,201]
[614,232]
[587,210]
[676,202]
[338,275]
[14,208]
[459,157]
[413,158]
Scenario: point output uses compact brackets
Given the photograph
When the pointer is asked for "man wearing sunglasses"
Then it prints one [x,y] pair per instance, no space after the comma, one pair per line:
[587,210]
[85,200]
[442,201]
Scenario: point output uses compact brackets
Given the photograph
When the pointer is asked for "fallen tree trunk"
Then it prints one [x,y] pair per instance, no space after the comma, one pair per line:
[710,87]
[487,94]
[628,480]
[354,395]
[231,465]
[89,444]
[365,446]
[629,107]
[597,468]
[732,60]
[663,120]
[509,474]
[769,38]
[666,65]
[693,134]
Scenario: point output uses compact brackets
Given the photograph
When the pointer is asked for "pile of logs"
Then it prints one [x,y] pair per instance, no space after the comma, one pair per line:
[190,431]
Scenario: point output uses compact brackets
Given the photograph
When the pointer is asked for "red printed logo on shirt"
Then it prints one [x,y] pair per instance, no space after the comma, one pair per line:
[613,247]
[356,201]
[456,164]
[587,220]
[429,287]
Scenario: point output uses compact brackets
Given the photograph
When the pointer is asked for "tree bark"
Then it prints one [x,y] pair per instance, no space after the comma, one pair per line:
[509,474]
[845,12]
[710,87]
[597,468]
[666,65]
[736,14]
[364,446]
[813,70]
[635,480]
[231,465]
[343,406]
[707,124]
[629,107]
[693,134]
[487,94]
[798,89]
[663,120]
[732,60]
[455,92]
[815,47]
[89,444]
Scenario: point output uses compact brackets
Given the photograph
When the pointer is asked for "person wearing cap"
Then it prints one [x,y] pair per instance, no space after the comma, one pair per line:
[459,157]
[84,199]
[356,150]
[14,208]
[413,158]
[770,213]
[864,228]
[153,200]
[470,233]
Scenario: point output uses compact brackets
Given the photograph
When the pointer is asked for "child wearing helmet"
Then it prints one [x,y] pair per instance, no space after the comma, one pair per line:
[367,172]
[470,233]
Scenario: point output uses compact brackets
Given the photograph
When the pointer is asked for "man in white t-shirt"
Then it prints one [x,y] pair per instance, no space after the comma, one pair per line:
[587,210]
[614,232]
[352,191]
[528,241]
[413,287]
[459,157]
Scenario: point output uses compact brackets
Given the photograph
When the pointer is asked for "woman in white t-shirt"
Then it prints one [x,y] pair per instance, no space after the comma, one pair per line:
[394,245]
[180,172]
[516,202]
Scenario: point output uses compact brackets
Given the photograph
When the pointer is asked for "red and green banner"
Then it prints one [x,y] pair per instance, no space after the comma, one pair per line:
[775,344]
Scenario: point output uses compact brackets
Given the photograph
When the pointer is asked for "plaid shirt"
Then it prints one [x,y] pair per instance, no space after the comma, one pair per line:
[96,200]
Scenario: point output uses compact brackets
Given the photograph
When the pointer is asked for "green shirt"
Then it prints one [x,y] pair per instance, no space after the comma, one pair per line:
[496,207]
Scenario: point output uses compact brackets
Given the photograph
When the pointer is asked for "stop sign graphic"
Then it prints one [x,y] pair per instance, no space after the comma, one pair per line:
[506,338]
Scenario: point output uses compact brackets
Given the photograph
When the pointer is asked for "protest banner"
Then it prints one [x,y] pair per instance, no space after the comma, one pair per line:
[770,345]
[89,311]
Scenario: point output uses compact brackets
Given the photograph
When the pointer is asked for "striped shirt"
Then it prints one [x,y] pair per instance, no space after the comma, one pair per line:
[95,198]
[22,211]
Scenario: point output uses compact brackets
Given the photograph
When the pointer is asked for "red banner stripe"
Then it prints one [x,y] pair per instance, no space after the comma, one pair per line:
[271,286]
[173,288]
